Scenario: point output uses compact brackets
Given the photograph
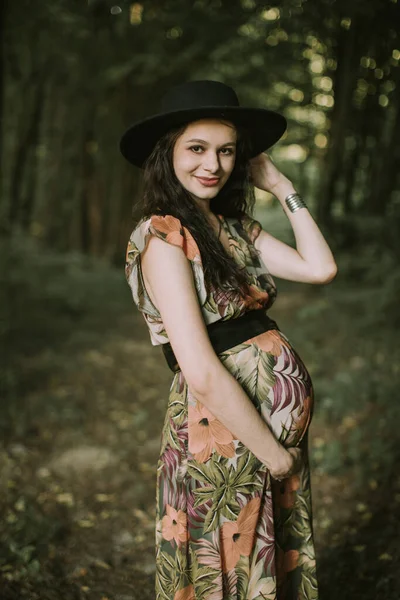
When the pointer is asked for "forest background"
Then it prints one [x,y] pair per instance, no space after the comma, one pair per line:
[80,414]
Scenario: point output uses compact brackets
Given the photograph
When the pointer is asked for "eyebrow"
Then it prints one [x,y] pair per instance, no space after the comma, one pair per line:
[204,142]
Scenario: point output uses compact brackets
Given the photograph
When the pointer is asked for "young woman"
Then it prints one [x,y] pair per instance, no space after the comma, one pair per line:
[234,515]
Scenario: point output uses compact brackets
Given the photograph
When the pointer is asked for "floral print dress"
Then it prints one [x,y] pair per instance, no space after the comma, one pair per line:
[225,530]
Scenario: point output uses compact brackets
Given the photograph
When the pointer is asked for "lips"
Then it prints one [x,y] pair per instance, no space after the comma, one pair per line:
[208,181]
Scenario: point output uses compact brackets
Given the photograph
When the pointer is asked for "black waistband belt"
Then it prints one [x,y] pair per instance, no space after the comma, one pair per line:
[227,334]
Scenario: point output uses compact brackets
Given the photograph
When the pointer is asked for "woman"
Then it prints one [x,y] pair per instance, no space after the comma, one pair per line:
[234,516]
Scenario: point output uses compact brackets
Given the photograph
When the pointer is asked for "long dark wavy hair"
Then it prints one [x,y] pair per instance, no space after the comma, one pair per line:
[163,194]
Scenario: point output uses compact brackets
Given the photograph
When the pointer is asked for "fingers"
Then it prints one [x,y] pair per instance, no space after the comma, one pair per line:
[294,467]
[297,459]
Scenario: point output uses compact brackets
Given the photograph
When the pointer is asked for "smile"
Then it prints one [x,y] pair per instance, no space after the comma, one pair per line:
[208,182]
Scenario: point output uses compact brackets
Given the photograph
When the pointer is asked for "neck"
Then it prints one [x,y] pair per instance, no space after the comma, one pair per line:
[203,204]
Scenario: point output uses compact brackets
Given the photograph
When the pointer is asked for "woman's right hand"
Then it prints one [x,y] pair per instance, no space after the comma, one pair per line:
[289,464]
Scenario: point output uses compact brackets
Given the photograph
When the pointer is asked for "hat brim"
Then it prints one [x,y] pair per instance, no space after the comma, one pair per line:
[265,128]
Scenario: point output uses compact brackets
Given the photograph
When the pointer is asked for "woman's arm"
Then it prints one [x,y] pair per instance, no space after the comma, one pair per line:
[229,403]
[312,261]
[168,273]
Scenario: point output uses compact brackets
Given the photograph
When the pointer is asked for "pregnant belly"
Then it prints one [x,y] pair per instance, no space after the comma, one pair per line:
[278,382]
[288,405]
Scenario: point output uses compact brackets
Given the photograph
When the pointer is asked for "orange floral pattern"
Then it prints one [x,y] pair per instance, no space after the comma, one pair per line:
[285,563]
[175,234]
[269,341]
[238,536]
[305,415]
[206,434]
[186,593]
[290,485]
[256,298]
[174,525]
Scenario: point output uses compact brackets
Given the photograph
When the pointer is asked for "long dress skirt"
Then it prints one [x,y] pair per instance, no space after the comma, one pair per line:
[225,530]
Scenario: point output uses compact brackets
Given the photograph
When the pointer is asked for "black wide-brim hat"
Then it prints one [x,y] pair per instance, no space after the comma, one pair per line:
[196,100]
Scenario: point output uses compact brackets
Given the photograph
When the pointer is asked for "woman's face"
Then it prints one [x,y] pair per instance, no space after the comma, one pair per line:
[204,157]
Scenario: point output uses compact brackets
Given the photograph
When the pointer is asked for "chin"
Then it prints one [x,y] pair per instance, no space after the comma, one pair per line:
[203,194]
[209,196]
[209,193]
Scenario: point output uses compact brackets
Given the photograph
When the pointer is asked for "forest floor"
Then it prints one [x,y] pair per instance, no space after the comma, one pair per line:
[78,464]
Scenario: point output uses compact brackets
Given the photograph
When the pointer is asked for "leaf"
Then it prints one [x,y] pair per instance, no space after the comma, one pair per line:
[300,517]
[204,473]
[243,478]
[242,570]
[203,495]
[203,573]
[211,521]
[203,577]
[209,552]
[309,587]
[231,511]
[223,472]
[265,587]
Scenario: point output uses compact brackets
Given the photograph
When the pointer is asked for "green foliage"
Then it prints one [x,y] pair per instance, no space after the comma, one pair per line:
[48,299]
[354,360]
[26,534]
[70,92]
[48,294]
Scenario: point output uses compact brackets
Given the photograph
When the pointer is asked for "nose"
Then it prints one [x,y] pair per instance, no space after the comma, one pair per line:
[211,162]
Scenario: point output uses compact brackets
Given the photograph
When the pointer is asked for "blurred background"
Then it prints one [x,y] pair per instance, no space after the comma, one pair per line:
[83,391]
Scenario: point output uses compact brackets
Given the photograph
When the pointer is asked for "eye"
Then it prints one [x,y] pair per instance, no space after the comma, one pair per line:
[227,151]
[195,148]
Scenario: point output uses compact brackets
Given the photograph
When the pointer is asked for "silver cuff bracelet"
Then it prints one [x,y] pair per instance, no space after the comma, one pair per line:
[294,202]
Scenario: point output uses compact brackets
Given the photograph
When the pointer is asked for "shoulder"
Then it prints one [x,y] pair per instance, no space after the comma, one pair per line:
[167,228]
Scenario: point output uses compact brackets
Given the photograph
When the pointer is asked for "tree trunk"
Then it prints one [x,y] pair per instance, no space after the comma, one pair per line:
[26,144]
[384,181]
[349,176]
[27,208]
[2,82]
[347,60]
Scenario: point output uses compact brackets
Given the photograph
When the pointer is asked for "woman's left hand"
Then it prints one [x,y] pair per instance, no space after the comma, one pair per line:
[264,173]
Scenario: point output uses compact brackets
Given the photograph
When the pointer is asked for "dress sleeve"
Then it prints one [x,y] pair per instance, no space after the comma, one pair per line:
[251,226]
[171,231]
